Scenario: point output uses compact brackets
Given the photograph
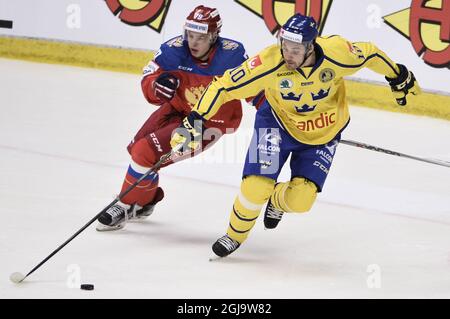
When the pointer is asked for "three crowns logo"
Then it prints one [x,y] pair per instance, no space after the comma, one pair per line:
[427,25]
[291,96]
[305,108]
[321,94]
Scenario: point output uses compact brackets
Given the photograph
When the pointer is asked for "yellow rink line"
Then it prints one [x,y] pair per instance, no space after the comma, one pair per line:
[380,97]
[72,53]
[133,60]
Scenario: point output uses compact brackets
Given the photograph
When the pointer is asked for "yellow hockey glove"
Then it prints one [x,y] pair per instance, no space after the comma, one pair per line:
[189,134]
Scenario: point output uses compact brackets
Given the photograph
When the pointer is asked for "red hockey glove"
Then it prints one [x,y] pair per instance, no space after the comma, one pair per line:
[165,86]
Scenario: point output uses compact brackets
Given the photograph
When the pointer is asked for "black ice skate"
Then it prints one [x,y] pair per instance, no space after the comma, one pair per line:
[118,215]
[115,217]
[272,216]
[224,246]
[147,210]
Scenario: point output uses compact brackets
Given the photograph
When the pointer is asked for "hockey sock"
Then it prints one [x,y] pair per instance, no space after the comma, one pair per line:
[254,192]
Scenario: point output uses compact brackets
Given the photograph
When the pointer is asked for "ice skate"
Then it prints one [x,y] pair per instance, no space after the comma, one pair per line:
[272,216]
[114,218]
[224,246]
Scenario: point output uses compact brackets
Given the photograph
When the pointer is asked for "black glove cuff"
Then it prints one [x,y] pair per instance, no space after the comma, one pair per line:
[196,121]
[400,78]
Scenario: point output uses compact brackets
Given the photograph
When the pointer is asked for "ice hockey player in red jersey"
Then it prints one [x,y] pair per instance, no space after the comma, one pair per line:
[174,80]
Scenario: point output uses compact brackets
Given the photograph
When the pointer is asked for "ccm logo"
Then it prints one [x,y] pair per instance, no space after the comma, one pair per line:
[156,142]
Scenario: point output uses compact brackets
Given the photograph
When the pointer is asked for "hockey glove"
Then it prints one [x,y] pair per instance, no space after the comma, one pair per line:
[189,134]
[403,84]
[165,86]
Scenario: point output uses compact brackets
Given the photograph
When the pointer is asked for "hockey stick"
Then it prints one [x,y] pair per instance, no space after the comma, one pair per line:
[382,150]
[18,277]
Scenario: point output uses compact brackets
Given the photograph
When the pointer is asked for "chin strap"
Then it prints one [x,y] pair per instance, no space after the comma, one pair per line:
[307,56]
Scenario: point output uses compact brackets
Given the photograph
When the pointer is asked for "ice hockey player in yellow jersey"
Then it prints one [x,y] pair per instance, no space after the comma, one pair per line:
[303,116]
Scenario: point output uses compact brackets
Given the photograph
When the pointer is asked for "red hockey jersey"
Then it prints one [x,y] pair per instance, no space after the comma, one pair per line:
[195,76]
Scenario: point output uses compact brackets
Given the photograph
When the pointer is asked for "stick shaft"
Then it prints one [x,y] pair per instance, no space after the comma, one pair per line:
[386,151]
[152,170]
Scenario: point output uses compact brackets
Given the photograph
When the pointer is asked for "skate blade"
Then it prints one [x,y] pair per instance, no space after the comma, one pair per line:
[215,258]
[140,217]
[101,227]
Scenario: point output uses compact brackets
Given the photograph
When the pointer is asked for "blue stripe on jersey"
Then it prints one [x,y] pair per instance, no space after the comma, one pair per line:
[132,172]
[239,86]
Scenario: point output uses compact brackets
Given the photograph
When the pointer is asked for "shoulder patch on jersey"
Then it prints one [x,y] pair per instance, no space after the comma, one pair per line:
[254,62]
[150,68]
[175,42]
[355,50]
[229,45]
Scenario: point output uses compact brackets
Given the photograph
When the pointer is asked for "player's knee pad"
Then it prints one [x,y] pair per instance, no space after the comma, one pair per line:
[297,196]
[143,154]
[255,191]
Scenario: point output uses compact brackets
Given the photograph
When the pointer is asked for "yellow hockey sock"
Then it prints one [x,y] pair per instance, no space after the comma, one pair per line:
[254,192]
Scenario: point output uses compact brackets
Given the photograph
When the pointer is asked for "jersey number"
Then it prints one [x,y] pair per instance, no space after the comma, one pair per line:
[237,74]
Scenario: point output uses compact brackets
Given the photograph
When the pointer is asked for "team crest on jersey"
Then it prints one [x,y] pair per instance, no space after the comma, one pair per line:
[229,45]
[193,94]
[321,94]
[326,75]
[305,108]
[291,96]
[286,84]
[177,42]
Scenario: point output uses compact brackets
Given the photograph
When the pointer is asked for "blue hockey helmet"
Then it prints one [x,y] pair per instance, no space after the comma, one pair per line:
[300,29]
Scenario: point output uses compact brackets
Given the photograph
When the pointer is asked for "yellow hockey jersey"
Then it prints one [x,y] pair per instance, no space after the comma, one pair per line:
[309,102]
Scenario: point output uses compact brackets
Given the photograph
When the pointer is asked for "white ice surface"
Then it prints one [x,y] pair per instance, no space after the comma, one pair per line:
[63,132]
